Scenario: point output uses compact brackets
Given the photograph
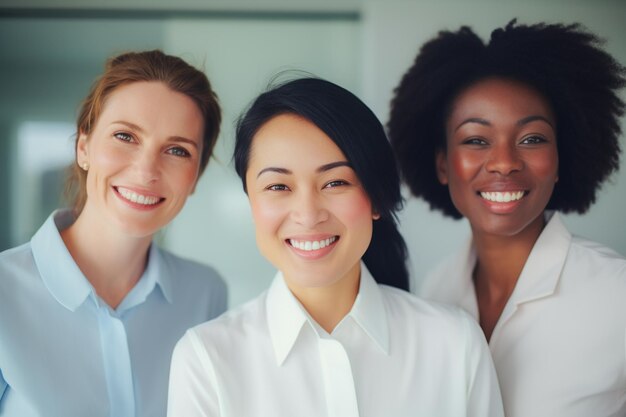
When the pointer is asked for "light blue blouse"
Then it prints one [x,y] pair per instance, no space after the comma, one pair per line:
[65,352]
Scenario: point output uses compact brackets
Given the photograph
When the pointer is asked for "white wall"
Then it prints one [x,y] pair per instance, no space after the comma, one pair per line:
[393,33]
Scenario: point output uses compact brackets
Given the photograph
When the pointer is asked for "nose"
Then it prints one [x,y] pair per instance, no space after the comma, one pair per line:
[147,167]
[504,159]
[308,209]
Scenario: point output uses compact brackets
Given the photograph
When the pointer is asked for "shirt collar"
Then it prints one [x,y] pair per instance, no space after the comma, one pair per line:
[157,272]
[542,270]
[538,279]
[163,271]
[57,268]
[67,283]
[286,316]
[369,310]
[462,292]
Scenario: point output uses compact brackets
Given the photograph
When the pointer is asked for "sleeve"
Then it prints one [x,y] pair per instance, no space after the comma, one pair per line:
[192,385]
[483,394]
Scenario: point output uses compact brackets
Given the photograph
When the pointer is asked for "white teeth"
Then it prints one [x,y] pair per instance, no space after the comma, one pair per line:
[309,245]
[504,197]
[138,198]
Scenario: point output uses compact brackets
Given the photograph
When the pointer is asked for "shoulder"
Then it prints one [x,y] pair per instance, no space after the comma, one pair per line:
[427,315]
[191,272]
[595,261]
[236,327]
[446,281]
[16,266]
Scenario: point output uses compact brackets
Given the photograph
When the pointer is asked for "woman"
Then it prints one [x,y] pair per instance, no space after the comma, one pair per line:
[91,309]
[326,339]
[505,134]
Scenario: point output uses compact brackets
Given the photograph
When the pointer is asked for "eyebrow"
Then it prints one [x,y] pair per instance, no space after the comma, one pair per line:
[534,118]
[323,168]
[473,120]
[170,139]
[520,122]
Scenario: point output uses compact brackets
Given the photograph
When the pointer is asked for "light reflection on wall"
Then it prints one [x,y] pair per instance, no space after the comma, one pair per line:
[44,150]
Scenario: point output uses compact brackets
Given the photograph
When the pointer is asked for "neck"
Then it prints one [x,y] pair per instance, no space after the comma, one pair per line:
[111,262]
[328,305]
[502,258]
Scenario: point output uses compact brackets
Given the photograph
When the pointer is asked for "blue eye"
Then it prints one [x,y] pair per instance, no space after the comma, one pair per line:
[123,136]
[179,151]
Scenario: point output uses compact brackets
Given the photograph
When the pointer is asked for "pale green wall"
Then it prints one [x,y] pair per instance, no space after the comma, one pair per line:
[241,57]
[406,25]
[47,64]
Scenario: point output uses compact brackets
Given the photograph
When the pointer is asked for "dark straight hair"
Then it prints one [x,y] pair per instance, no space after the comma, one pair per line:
[354,128]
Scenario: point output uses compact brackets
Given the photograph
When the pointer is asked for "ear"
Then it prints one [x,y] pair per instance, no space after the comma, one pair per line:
[441,165]
[82,150]
[375,215]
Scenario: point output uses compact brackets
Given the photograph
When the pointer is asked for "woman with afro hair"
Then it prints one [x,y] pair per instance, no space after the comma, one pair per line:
[509,134]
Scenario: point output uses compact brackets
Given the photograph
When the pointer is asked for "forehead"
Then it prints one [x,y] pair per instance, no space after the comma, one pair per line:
[289,140]
[499,97]
[153,105]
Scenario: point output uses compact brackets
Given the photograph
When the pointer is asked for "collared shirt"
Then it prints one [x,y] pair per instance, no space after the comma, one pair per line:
[64,352]
[393,355]
[560,344]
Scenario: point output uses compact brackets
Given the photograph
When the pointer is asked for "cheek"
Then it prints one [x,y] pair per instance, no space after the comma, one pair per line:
[106,159]
[462,167]
[547,166]
[267,215]
[355,210]
[182,175]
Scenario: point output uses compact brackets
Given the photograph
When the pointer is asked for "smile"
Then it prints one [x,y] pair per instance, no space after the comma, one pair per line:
[133,197]
[311,245]
[502,197]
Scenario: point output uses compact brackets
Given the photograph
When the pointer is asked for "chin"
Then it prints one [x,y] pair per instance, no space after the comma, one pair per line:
[505,227]
[137,229]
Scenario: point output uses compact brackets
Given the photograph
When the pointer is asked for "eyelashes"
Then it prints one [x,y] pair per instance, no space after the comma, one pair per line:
[328,185]
[176,150]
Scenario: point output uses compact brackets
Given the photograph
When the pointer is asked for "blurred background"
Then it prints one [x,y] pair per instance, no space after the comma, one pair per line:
[52,50]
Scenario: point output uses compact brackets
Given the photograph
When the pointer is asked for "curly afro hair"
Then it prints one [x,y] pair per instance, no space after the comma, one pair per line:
[565,63]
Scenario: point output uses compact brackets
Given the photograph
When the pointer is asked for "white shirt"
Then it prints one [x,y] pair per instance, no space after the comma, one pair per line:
[393,355]
[560,344]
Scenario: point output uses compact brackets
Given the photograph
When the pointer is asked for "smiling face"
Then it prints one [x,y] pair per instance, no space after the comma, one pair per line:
[312,216]
[143,157]
[501,161]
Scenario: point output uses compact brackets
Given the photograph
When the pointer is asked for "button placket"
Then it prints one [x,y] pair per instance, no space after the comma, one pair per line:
[116,357]
[338,379]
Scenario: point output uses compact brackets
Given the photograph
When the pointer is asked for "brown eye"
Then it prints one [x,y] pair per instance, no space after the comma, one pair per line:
[277,187]
[533,140]
[336,183]
[475,141]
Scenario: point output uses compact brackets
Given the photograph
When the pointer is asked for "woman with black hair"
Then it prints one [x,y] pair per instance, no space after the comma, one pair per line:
[507,134]
[331,336]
